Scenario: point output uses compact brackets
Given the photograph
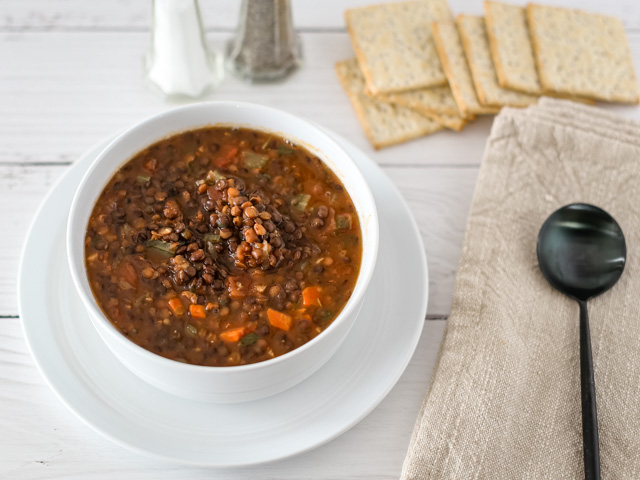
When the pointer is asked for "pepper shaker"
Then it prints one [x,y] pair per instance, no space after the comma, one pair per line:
[266,46]
[179,61]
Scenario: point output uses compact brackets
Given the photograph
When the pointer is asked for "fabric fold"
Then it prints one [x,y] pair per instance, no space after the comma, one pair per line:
[504,399]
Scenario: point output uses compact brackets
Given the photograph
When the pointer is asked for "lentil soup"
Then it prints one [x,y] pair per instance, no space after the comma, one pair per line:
[223,246]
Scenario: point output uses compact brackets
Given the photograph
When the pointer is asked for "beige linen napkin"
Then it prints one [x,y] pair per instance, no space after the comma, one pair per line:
[504,400]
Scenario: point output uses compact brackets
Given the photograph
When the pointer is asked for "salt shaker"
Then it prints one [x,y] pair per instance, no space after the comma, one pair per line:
[266,46]
[179,62]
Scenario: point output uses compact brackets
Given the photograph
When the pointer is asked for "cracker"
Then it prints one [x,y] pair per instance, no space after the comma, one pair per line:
[511,48]
[454,62]
[475,43]
[452,122]
[383,123]
[394,46]
[436,103]
[437,100]
[582,54]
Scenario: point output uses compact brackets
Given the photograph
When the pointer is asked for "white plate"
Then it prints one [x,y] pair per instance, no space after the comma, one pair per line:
[114,402]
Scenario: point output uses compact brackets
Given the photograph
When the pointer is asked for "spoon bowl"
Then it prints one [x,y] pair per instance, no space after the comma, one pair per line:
[582,253]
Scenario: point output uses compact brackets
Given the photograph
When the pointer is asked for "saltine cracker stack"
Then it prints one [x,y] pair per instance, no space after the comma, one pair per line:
[475,42]
[454,62]
[418,70]
[437,103]
[437,100]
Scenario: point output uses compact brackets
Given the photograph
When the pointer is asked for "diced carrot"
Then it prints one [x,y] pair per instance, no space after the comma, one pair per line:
[129,273]
[176,306]
[311,297]
[221,162]
[227,155]
[236,286]
[151,164]
[231,152]
[233,334]
[279,320]
[197,311]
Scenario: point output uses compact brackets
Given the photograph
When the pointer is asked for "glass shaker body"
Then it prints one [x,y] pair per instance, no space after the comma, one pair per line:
[179,61]
[266,46]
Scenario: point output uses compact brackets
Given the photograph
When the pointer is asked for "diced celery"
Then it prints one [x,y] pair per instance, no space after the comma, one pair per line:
[301,201]
[285,151]
[254,160]
[160,246]
[213,176]
[344,221]
[212,237]
[248,339]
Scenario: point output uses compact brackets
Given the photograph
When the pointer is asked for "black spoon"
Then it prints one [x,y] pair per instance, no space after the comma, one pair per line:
[582,253]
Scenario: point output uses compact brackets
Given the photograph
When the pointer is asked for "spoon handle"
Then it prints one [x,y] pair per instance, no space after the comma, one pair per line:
[588,391]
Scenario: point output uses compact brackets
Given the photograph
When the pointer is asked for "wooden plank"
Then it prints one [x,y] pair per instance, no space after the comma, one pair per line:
[42,439]
[78,88]
[221,14]
[438,197]
[21,191]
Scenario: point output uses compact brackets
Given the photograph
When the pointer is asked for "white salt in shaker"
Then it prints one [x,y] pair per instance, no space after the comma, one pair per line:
[179,62]
[266,46]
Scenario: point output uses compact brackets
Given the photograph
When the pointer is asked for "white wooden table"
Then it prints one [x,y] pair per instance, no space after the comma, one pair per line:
[71,75]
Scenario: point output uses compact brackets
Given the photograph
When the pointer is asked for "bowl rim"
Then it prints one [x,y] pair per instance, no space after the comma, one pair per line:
[78,267]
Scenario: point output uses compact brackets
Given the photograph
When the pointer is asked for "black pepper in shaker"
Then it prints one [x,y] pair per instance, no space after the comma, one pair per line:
[266,46]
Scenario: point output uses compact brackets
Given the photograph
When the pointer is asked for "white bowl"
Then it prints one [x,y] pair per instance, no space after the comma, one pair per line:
[238,383]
